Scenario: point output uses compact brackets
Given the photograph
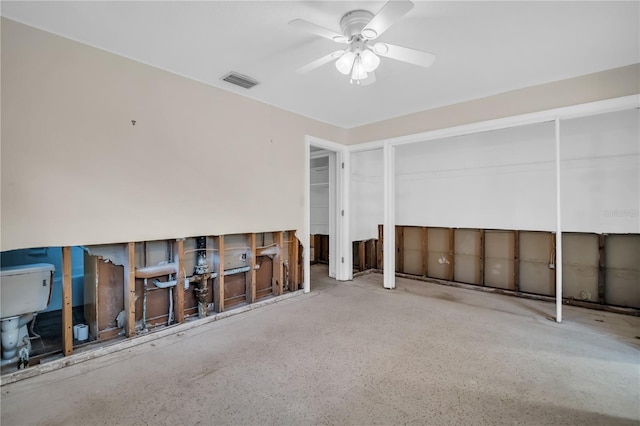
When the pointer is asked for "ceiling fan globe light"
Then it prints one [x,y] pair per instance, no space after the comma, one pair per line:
[358,72]
[370,60]
[345,63]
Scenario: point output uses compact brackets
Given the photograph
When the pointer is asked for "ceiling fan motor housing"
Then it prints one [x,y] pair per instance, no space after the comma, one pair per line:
[353,22]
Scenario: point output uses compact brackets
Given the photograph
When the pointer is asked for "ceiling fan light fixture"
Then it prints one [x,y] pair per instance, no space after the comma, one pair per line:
[370,60]
[345,63]
[380,48]
[340,39]
[359,72]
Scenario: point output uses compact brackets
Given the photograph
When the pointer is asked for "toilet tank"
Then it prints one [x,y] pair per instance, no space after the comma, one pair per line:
[25,288]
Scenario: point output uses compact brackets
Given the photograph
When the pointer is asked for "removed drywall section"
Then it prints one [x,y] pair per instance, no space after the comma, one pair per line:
[598,270]
[623,270]
[580,259]
[537,263]
[412,246]
[499,254]
[439,255]
[468,256]
[103,296]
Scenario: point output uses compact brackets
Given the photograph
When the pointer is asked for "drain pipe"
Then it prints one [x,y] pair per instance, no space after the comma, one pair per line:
[170,285]
[144,307]
[202,272]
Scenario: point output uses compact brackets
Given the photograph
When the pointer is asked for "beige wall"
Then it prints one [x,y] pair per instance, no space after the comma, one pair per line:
[609,84]
[199,160]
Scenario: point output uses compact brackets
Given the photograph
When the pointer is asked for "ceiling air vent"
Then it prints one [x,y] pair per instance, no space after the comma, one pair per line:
[239,80]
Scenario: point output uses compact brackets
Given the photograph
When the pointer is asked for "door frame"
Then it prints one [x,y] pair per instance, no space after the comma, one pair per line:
[340,251]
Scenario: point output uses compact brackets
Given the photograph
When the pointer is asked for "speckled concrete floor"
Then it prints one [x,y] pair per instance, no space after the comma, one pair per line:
[354,353]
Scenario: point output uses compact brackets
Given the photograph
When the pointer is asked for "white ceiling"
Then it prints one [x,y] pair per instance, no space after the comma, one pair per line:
[482,48]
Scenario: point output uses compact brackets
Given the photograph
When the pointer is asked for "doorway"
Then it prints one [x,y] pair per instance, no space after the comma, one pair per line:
[326,216]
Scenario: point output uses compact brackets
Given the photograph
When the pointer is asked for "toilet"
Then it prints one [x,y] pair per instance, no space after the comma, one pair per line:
[24,291]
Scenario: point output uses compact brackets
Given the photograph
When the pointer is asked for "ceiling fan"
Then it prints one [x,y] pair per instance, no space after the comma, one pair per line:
[362,56]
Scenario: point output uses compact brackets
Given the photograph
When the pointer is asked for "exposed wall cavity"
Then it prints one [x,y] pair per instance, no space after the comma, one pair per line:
[598,269]
[114,253]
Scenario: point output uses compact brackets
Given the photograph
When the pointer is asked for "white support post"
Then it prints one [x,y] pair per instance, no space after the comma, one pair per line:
[345,261]
[306,237]
[389,231]
[558,260]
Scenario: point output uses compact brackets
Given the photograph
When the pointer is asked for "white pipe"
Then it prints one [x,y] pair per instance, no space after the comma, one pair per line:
[144,306]
[272,250]
[166,284]
[558,229]
[157,270]
[170,319]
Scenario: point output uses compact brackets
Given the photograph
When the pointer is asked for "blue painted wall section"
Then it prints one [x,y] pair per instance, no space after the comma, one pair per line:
[52,255]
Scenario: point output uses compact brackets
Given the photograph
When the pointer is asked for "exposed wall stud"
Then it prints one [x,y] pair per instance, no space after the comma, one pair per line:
[251,280]
[451,254]
[481,282]
[67,305]
[399,248]
[516,260]
[380,260]
[372,254]
[425,251]
[130,289]
[602,269]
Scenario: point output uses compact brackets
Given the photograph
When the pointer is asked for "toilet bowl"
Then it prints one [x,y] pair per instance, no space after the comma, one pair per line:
[24,290]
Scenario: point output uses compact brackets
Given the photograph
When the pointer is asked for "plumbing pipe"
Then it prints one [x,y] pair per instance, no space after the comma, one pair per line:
[168,284]
[144,307]
[170,318]
[157,270]
[237,270]
[193,278]
[165,284]
[267,251]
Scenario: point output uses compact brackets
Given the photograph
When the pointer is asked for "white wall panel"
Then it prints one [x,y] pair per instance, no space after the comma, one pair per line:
[367,198]
[600,173]
[503,179]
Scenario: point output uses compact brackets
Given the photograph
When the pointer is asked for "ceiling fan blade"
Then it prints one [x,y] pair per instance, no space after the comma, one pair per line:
[320,62]
[388,15]
[412,56]
[318,30]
